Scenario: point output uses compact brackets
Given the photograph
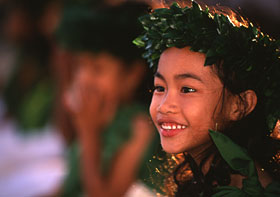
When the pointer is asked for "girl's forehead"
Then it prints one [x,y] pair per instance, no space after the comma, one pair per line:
[174,61]
[183,56]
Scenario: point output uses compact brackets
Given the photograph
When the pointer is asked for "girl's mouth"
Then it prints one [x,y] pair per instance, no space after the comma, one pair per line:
[170,129]
[172,126]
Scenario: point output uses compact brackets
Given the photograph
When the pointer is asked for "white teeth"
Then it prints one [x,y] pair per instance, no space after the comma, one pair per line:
[169,127]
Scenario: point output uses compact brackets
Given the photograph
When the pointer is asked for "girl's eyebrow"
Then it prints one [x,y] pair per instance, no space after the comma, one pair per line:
[188,75]
[180,76]
[158,75]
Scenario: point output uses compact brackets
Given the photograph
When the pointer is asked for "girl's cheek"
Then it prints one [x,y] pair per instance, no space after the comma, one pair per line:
[153,107]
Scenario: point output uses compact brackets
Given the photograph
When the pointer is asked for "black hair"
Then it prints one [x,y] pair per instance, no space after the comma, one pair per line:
[104,28]
[250,132]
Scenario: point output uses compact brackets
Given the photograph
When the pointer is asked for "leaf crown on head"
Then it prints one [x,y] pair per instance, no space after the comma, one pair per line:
[244,50]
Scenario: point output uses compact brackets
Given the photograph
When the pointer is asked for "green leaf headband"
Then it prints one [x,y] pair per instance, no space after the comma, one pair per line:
[245,51]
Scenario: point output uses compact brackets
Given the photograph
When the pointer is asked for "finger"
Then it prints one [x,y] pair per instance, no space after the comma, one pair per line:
[143,127]
[109,108]
[71,102]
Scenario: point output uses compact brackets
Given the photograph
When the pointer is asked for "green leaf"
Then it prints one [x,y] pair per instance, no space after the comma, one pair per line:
[249,68]
[138,42]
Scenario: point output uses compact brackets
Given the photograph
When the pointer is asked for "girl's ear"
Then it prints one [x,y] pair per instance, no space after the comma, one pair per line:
[243,104]
[251,99]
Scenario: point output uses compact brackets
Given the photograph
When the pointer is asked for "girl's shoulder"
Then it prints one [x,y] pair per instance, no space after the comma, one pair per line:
[239,160]
[273,189]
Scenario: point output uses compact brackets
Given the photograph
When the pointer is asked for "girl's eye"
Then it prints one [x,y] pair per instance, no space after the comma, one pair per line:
[187,90]
[158,89]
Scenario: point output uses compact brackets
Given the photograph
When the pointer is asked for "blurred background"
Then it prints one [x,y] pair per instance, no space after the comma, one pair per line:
[36,69]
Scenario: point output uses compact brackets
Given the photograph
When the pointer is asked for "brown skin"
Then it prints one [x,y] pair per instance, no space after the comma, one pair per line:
[187,94]
[99,87]
[188,100]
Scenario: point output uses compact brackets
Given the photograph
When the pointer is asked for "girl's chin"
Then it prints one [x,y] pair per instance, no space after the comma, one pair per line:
[171,149]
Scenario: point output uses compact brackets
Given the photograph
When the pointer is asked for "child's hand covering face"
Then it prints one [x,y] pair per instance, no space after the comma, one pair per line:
[187,101]
[143,129]
[88,103]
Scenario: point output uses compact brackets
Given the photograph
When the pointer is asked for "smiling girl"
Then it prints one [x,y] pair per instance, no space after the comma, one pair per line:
[216,99]
[185,100]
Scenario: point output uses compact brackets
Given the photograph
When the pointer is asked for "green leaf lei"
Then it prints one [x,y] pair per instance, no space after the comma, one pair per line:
[245,51]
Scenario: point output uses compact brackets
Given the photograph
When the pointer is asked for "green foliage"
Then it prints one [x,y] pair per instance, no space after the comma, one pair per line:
[36,107]
[245,51]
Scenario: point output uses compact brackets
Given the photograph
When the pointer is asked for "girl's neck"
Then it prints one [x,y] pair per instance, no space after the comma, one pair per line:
[205,155]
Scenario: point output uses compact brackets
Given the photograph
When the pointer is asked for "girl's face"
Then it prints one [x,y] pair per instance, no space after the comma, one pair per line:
[187,101]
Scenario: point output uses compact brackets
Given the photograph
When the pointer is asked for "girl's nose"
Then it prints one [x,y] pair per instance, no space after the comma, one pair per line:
[168,104]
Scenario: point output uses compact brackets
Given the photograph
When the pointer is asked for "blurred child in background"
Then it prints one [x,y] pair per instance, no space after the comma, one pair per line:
[106,100]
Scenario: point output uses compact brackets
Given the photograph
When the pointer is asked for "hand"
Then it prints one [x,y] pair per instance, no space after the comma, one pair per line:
[89,106]
[143,129]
